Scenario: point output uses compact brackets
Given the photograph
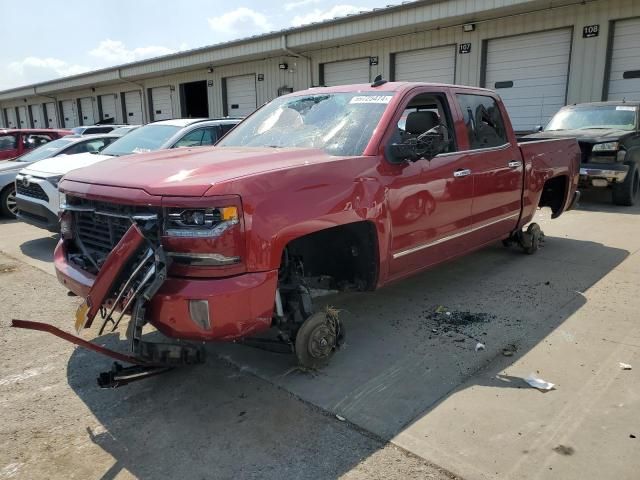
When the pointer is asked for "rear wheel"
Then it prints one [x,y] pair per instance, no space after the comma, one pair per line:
[8,205]
[626,193]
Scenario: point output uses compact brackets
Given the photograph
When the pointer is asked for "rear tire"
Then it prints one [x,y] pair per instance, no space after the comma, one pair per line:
[8,206]
[626,193]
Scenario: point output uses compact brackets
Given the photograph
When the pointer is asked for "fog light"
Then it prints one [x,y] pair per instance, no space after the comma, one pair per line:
[66,226]
[199,312]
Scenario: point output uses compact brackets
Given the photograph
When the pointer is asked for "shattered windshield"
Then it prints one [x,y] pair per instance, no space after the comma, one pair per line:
[338,123]
[618,117]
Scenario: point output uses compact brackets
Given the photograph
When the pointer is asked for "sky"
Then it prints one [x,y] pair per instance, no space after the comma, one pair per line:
[43,39]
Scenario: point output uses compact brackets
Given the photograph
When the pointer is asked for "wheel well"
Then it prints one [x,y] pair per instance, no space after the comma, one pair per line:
[346,256]
[554,194]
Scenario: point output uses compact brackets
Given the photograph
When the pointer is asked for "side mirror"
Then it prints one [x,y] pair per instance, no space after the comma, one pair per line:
[539,128]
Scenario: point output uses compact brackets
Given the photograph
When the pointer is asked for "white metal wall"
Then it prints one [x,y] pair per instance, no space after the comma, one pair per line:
[87,111]
[52,115]
[356,39]
[70,118]
[437,65]
[37,116]
[23,118]
[133,108]
[162,103]
[624,71]
[11,117]
[347,72]
[241,95]
[530,73]
[108,107]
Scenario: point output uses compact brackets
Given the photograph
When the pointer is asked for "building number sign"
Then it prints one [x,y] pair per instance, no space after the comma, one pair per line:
[590,31]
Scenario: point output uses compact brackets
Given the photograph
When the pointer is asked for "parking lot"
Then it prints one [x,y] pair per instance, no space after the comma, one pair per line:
[410,394]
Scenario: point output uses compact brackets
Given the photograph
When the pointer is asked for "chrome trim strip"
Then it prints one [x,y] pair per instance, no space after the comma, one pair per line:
[451,237]
[210,259]
[142,217]
[478,150]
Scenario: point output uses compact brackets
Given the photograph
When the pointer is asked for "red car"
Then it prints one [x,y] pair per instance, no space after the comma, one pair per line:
[340,188]
[15,142]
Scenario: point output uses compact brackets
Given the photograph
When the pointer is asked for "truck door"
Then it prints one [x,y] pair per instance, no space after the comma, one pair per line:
[430,201]
[496,166]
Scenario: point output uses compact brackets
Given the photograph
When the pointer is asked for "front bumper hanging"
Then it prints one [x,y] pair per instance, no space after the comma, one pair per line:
[131,275]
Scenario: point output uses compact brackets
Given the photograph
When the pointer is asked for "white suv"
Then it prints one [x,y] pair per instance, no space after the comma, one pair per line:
[37,197]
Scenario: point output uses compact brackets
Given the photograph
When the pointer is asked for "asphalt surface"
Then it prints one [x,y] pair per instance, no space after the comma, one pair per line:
[419,397]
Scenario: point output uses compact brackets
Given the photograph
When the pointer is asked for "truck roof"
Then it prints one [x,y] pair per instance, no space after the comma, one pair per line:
[386,87]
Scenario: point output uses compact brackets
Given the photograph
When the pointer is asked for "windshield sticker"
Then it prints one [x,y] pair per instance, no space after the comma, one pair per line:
[626,109]
[141,150]
[371,99]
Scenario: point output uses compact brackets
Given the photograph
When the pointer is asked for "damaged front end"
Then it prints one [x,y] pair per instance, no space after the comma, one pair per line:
[128,277]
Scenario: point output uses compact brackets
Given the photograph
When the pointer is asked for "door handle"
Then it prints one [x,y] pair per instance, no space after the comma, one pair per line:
[515,164]
[462,173]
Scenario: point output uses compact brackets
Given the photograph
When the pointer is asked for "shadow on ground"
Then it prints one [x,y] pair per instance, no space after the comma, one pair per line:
[40,248]
[400,361]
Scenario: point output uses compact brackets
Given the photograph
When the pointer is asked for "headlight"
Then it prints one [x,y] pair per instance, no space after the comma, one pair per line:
[63,201]
[605,147]
[200,222]
[55,180]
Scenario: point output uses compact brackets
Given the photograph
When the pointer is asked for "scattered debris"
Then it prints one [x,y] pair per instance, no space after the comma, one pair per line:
[341,418]
[631,435]
[509,350]
[540,384]
[7,268]
[564,450]
[441,309]
[625,366]
[480,346]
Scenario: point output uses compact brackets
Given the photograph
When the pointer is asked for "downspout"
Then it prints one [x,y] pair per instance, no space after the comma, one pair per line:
[297,55]
[145,114]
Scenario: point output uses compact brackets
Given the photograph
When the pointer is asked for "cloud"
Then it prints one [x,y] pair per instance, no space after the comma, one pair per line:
[114,51]
[37,69]
[241,21]
[318,15]
[300,3]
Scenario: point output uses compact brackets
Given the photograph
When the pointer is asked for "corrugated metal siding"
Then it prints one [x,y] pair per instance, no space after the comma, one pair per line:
[347,72]
[532,69]
[395,31]
[52,115]
[436,64]
[625,58]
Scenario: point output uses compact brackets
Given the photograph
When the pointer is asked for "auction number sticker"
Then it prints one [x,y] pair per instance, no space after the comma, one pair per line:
[626,109]
[371,99]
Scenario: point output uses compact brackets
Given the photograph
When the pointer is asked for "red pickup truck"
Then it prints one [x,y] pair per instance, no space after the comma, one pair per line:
[341,188]
[15,142]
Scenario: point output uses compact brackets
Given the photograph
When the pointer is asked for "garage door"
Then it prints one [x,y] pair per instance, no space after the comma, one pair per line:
[86,108]
[530,74]
[133,108]
[347,72]
[69,114]
[10,114]
[437,65]
[36,116]
[161,104]
[624,72]
[23,119]
[52,115]
[108,107]
[241,95]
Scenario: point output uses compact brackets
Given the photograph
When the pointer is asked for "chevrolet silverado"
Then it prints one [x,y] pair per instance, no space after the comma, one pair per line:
[340,188]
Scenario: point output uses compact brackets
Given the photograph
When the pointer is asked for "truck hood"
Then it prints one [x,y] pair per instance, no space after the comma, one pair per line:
[65,163]
[591,136]
[191,172]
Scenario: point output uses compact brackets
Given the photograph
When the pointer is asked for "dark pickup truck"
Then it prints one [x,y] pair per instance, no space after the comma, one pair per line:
[609,137]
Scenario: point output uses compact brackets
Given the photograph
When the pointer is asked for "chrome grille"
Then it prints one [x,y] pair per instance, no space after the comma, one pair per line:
[32,190]
[99,226]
